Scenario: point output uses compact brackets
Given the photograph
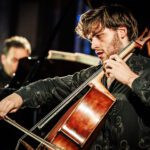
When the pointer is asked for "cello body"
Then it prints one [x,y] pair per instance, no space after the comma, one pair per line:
[74,131]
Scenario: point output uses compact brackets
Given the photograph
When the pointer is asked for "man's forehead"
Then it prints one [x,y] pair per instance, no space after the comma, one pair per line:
[95,28]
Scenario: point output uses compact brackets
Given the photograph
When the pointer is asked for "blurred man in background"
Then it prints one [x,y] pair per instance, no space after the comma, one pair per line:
[14,49]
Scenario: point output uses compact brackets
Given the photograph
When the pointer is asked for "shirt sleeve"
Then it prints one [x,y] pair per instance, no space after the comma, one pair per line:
[141,86]
[53,89]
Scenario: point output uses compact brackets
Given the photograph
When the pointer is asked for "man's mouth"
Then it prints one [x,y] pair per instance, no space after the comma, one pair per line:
[100,54]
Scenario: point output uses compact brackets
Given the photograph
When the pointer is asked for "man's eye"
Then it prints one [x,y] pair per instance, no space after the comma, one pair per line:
[98,36]
[15,60]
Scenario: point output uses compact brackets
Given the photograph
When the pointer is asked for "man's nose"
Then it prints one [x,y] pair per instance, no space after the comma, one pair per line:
[94,43]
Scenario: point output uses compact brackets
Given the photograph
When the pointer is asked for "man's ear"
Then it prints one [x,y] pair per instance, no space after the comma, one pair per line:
[3,59]
[122,32]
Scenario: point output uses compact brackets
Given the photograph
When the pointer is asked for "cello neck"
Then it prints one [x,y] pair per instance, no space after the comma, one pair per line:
[138,43]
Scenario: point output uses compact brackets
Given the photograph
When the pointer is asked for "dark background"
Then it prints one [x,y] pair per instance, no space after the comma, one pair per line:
[49,25]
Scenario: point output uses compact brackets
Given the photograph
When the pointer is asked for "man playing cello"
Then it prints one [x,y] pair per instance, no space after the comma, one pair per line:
[109,29]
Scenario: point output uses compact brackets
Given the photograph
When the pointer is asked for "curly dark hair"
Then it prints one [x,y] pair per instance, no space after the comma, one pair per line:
[110,16]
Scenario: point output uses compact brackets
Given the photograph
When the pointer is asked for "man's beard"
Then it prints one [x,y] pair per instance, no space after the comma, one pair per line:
[116,46]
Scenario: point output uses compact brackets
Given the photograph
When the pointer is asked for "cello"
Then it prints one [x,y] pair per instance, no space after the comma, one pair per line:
[77,128]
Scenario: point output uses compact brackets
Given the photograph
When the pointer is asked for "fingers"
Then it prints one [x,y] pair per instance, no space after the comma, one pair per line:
[10,104]
[6,107]
[112,64]
[116,67]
